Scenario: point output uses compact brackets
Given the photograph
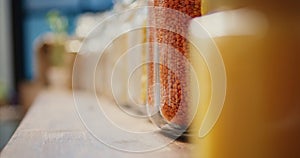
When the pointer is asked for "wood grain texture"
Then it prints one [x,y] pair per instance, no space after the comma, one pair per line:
[52,129]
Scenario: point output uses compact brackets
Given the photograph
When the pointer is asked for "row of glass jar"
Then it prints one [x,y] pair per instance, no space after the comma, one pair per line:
[216,76]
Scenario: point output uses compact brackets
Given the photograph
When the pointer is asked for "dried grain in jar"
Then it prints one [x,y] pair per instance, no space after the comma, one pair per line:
[168,74]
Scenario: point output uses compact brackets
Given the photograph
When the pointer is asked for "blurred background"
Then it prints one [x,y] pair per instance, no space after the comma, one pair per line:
[25,27]
[39,40]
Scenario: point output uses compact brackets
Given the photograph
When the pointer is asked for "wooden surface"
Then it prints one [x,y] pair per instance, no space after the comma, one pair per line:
[52,129]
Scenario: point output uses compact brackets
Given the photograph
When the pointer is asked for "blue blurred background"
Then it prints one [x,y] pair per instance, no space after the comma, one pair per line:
[22,22]
[35,22]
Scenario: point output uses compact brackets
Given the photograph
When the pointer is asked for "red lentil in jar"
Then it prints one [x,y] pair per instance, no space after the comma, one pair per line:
[169,22]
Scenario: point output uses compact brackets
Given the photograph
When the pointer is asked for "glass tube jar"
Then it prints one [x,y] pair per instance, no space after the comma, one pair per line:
[168,73]
[116,65]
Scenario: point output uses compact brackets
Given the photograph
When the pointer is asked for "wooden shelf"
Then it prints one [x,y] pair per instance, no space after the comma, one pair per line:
[52,128]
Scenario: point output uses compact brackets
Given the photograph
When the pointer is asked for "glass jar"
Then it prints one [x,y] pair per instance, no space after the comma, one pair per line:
[119,73]
[260,49]
[168,72]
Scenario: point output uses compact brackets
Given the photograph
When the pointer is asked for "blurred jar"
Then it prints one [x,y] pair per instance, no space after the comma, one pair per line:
[122,61]
[55,61]
[90,41]
[113,41]
[260,117]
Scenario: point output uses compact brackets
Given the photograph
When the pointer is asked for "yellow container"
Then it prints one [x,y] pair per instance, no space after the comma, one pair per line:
[260,115]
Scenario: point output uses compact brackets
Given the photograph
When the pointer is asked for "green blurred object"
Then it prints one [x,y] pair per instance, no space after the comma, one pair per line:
[3,94]
[57,22]
[58,25]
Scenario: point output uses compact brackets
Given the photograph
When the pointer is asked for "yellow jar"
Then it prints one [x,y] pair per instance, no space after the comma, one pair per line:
[260,116]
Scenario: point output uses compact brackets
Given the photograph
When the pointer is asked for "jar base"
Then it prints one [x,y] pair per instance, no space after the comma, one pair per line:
[170,130]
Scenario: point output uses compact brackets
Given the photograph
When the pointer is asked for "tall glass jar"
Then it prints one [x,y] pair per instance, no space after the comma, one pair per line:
[115,70]
[168,73]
